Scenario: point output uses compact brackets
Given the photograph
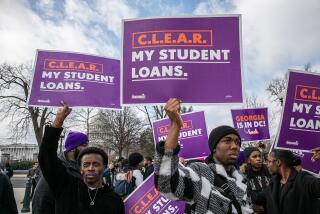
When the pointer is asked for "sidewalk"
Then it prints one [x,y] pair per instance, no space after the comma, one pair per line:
[19,195]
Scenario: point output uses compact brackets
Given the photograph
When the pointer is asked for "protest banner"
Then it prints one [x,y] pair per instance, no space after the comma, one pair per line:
[147,200]
[306,161]
[300,123]
[196,59]
[252,124]
[193,137]
[79,80]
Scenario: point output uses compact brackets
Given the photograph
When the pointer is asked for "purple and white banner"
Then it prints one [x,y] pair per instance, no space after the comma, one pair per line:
[193,137]
[306,161]
[196,59]
[147,200]
[300,123]
[79,80]
[252,124]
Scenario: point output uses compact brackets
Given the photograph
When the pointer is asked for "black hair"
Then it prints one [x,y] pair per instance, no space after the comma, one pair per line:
[148,158]
[120,159]
[93,150]
[248,151]
[284,155]
[135,158]
[296,161]
[125,161]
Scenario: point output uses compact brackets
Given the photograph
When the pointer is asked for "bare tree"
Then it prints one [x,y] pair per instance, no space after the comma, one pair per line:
[157,112]
[122,128]
[81,118]
[146,143]
[14,91]
[253,102]
[277,87]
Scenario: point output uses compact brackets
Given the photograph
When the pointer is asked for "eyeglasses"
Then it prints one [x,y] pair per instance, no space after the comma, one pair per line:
[229,140]
[271,161]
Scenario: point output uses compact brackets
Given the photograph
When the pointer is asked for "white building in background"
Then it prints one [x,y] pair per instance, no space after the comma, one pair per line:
[19,152]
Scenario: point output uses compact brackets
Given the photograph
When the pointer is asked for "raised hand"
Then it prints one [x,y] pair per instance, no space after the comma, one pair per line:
[62,112]
[172,109]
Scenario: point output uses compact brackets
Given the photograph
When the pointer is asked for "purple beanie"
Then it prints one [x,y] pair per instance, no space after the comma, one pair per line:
[75,139]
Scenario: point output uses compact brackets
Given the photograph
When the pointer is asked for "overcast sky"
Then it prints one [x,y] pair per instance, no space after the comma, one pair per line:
[276,34]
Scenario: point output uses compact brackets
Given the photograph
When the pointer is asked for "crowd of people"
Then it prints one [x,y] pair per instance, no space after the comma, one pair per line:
[83,180]
[217,186]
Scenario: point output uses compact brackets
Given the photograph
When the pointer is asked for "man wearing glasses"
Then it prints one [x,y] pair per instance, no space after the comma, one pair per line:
[214,187]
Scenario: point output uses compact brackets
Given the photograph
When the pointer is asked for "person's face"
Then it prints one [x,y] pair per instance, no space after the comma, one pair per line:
[227,150]
[35,165]
[92,168]
[79,149]
[255,160]
[272,165]
[146,162]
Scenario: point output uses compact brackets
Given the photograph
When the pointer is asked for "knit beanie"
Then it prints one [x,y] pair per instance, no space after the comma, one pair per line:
[247,152]
[75,139]
[218,133]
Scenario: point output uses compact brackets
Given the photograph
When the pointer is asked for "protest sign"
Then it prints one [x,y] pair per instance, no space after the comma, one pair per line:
[252,124]
[193,137]
[306,161]
[196,59]
[77,79]
[300,123]
[147,199]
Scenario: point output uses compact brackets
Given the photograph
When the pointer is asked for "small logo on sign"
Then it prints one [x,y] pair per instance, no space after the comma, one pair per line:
[44,101]
[295,143]
[140,97]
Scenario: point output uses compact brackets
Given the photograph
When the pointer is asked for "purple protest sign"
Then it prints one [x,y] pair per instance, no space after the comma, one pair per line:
[196,59]
[300,123]
[252,124]
[147,199]
[78,79]
[193,136]
[306,161]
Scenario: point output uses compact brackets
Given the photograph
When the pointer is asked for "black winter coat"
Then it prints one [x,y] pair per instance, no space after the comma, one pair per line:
[7,202]
[43,201]
[299,195]
[71,193]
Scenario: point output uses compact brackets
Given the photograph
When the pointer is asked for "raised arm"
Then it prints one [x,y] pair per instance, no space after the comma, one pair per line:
[51,166]
[171,181]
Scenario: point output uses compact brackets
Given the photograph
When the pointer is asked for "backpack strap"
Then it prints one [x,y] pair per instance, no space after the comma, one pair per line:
[222,183]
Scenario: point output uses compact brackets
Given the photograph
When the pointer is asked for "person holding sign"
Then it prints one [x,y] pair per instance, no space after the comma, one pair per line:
[74,195]
[216,187]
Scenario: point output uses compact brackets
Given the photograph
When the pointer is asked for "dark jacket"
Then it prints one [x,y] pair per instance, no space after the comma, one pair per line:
[71,193]
[7,202]
[43,201]
[9,172]
[149,171]
[299,195]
